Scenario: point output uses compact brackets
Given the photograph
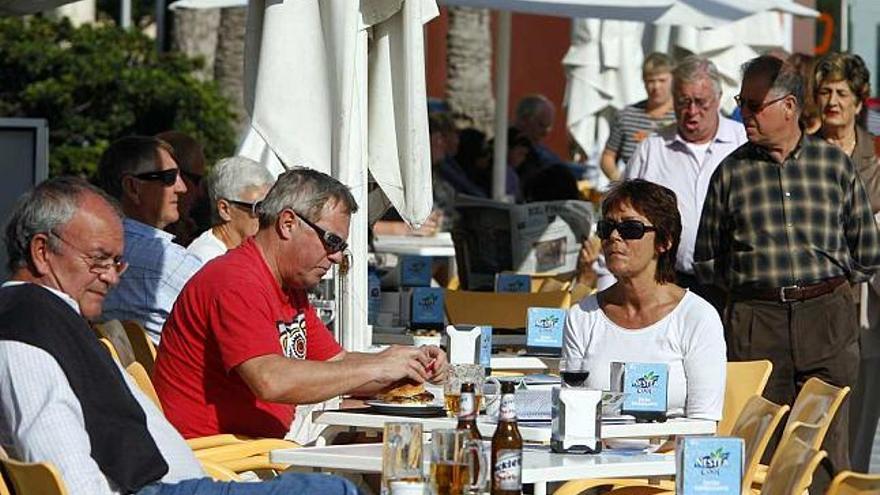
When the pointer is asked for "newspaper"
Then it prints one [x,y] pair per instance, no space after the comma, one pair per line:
[542,237]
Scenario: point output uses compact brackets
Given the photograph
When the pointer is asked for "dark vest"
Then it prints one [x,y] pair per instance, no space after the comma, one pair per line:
[115,422]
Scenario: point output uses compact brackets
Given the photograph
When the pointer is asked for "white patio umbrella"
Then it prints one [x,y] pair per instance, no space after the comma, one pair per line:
[339,86]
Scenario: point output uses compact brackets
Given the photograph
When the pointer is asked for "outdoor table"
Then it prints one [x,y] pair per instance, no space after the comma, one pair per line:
[355,421]
[439,245]
[540,466]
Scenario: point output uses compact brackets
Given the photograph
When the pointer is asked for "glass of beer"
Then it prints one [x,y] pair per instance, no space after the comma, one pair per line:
[401,453]
[458,374]
[574,372]
[458,463]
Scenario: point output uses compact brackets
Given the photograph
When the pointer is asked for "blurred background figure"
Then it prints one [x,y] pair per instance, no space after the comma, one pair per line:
[534,121]
[235,186]
[636,122]
[193,204]
[805,64]
[841,86]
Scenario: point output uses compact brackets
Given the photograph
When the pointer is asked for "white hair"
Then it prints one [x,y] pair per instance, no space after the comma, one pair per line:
[232,176]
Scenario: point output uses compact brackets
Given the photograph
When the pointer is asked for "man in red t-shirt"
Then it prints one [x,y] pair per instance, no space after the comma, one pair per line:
[243,346]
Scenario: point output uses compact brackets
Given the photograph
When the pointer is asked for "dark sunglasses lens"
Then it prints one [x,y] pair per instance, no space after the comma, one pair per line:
[334,242]
[604,229]
[631,229]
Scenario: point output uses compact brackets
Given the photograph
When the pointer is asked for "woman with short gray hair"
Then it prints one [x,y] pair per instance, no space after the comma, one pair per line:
[235,186]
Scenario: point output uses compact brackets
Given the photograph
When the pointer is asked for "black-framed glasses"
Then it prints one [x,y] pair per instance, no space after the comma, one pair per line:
[252,208]
[333,243]
[98,265]
[757,107]
[628,229]
[166,177]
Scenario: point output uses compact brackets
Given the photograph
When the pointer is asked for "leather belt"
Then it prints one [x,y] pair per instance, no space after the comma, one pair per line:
[792,293]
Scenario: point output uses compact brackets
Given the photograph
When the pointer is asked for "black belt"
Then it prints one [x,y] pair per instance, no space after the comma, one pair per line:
[791,293]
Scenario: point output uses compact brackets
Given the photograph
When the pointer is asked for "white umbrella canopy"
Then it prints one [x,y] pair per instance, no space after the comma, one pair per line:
[339,86]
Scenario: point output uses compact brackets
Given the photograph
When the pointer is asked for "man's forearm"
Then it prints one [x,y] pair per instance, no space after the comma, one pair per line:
[278,379]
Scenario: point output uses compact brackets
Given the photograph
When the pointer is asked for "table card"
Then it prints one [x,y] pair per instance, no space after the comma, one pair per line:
[709,465]
[427,307]
[513,282]
[486,346]
[415,271]
[644,387]
[544,331]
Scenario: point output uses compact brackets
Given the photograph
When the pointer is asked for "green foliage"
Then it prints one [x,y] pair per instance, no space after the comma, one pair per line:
[94,84]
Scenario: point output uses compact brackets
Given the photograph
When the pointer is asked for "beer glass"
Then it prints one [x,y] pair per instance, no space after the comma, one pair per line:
[573,371]
[458,463]
[401,453]
[467,373]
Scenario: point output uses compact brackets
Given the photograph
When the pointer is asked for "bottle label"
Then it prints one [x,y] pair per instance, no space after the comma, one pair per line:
[467,406]
[507,409]
[507,471]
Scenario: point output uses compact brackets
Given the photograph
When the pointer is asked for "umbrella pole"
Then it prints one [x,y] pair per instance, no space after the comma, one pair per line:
[502,98]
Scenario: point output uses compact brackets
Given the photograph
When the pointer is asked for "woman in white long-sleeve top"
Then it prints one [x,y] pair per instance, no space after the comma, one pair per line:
[645,317]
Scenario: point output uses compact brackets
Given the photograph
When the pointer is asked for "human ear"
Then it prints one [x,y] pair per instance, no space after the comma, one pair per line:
[130,189]
[39,254]
[286,223]
[223,210]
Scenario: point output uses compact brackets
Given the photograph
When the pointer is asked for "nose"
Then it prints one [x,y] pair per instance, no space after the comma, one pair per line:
[337,257]
[180,185]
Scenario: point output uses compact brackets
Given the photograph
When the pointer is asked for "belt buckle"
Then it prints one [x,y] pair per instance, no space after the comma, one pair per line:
[782,290]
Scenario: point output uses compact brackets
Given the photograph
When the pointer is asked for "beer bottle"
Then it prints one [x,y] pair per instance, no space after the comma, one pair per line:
[507,447]
[467,411]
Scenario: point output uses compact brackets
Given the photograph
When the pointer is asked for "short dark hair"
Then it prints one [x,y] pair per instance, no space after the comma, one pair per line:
[126,156]
[784,77]
[660,206]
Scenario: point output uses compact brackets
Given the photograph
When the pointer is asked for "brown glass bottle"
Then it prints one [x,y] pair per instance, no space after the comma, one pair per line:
[467,411]
[507,446]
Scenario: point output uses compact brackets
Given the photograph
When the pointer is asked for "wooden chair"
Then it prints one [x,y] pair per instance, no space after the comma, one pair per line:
[745,379]
[114,331]
[27,478]
[791,470]
[218,472]
[852,483]
[499,309]
[136,371]
[141,344]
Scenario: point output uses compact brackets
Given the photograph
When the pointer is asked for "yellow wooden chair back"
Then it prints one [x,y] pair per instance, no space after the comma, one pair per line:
[756,424]
[499,309]
[110,348]
[218,471]
[745,379]
[815,404]
[791,471]
[136,371]
[141,344]
[28,478]
[114,331]
[851,483]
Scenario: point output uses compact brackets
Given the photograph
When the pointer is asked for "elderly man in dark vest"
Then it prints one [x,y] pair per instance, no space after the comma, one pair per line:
[63,400]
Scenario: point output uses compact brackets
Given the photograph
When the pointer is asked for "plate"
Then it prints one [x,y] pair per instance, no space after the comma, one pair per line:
[406,409]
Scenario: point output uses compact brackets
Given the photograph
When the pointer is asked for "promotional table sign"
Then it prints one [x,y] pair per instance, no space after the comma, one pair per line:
[644,387]
[544,331]
[486,347]
[513,282]
[415,271]
[427,307]
[709,465]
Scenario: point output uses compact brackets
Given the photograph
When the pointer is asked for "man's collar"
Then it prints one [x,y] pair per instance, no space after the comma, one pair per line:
[140,228]
[726,133]
[63,295]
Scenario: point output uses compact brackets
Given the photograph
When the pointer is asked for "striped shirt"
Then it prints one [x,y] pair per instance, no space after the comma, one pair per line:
[631,126]
[767,225]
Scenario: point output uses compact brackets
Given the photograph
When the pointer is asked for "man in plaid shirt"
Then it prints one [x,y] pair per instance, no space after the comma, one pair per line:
[785,225]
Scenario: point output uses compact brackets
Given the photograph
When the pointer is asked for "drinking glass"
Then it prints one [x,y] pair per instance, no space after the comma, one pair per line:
[401,453]
[468,373]
[458,463]
[574,372]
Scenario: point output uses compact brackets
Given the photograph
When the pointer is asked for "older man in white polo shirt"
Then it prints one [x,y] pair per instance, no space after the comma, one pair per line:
[683,157]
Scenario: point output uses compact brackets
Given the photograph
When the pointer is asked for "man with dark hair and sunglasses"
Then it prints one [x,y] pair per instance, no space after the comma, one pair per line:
[786,226]
[142,174]
[243,345]
[683,156]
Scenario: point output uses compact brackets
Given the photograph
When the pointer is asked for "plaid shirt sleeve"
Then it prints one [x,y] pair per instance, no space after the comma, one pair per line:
[860,230]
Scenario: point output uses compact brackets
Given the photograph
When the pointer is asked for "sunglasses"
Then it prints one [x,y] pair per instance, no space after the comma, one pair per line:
[166,177]
[628,229]
[333,243]
[756,107]
[252,208]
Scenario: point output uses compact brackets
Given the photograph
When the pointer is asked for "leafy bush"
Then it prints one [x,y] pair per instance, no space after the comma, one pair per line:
[94,84]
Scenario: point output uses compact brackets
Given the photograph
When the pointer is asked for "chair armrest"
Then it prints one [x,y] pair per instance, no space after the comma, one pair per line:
[243,450]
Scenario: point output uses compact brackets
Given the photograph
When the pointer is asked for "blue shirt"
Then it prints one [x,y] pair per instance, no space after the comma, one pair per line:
[157,272]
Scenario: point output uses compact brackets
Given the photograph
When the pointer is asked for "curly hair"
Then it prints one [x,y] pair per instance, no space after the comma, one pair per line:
[847,67]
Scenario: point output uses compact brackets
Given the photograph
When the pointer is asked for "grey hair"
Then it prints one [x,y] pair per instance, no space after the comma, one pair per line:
[784,77]
[231,176]
[529,105]
[127,156]
[306,192]
[694,68]
[49,205]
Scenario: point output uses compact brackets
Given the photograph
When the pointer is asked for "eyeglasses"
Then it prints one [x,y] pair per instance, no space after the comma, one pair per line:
[628,229]
[99,265]
[333,243]
[700,103]
[756,108]
[252,208]
[166,177]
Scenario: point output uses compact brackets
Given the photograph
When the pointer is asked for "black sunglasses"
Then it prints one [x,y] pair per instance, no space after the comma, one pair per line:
[756,107]
[252,208]
[333,243]
[166,177]
[628,229]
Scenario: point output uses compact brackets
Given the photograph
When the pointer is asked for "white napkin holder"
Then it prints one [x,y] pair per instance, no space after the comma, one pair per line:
[463,344]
